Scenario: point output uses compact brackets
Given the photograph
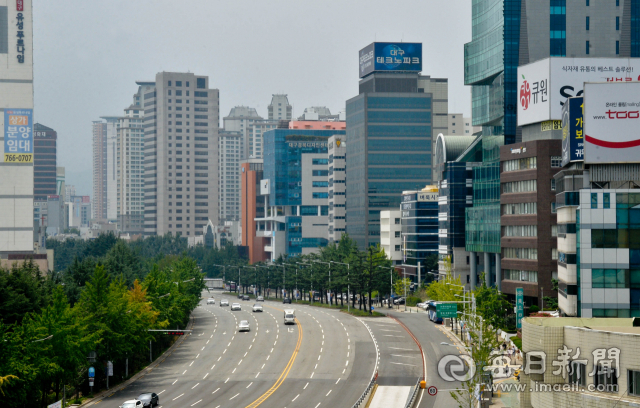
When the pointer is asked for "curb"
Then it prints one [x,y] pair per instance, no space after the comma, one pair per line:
[110,392]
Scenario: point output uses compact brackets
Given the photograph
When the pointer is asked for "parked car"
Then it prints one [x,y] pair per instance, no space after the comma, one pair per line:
[399,301]
[132,404]
[245,297]
[211,301]
[286,300]
[260,299]
[243,326]
[236,306]
[149,399]
[224,302]
[257,308]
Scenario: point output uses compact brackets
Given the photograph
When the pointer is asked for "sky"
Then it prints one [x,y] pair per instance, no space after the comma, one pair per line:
[88,55]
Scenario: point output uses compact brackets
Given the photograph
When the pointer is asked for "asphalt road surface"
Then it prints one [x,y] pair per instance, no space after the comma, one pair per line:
[325,360]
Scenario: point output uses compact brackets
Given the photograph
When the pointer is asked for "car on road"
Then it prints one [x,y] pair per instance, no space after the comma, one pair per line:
[243,326]
[260,299]
[236,306]
[132,404]
[224,302]
[211,301]
[257,308]
[286,300]
[149,399]
[239,295]
[245,297]
[399,301]
[289,316]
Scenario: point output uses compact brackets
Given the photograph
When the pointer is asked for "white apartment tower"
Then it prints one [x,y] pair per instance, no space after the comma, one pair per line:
[16,134]
[255,146]
[99,208]
[241,119]
[229,148]
[337,151]
[180,154]
[279,108]
[112,123]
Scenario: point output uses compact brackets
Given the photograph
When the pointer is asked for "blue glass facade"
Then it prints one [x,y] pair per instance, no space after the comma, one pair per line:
[635,28]
[419,228]
[454,191]
[558,28]
[388,152]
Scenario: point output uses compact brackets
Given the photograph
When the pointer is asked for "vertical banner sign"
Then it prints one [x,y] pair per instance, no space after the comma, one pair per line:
[20,5]
[18,136]
[519,307]
[573,131]
[109,368]
[20,46]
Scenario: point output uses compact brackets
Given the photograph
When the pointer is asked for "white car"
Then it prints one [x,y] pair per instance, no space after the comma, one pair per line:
[236,306]
[257,308]
[224,302]
[243,326]
[132,404]
[211,301]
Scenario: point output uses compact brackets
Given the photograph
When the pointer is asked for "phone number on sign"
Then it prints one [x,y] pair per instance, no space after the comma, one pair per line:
[20,158]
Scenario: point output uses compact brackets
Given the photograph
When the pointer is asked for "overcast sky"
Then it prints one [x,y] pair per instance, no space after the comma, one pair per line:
[88,55]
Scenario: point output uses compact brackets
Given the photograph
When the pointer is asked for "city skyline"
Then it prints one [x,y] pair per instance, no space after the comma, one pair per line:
[326,77]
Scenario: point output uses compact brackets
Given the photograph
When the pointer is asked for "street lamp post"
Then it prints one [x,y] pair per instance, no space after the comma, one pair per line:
[464,291]
[311,280]
[391,269]
[330,291]
[268,268]
[348,281]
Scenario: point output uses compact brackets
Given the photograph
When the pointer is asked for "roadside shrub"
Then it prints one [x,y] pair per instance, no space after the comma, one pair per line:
[413,300]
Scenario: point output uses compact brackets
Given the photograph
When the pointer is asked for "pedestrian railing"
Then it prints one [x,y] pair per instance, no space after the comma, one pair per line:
[365,394]
[414,395]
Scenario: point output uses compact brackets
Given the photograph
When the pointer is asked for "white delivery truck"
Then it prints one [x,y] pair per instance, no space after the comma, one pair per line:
[289,316]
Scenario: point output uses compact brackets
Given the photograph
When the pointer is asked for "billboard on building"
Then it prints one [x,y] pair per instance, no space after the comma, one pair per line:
[573,130]
[18,136]
[544,86]
[390,57]
[612,122]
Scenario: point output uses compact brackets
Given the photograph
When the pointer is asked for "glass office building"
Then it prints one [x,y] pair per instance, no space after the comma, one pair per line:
[419,225]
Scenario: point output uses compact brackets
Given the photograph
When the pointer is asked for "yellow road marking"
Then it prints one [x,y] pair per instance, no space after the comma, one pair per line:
[285,372]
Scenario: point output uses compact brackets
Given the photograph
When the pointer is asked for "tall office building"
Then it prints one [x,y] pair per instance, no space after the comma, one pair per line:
[509,33]
[181,153]
[16,103]
[99,130]
[229,149]
[241,119]
[391,128]
[279,108]
[253,206]
[44,162]
[130,168]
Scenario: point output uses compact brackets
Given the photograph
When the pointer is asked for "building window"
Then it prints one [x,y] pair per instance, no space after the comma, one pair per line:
[169,83]
[587,3]
[587,23]
[554,253]
[553,184]
[520,253]
[518,275]
[556,161]
[397,248]
[520,231]
[594,200]
[634,382]
[554,230]
[553,208]
[587,50]
[397,221]
[578,373]
[520,164]
[397,234]
[617,3]
[522,186]
[519,208]
[617,47]
[606,200]
[610,278]
[617,23]
[606,379]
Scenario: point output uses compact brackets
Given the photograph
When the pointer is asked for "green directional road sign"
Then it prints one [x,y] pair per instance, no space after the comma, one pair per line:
[446,310]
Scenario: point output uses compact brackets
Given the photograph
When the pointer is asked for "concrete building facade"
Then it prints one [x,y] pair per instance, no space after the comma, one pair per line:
[252,208]
[181,125]
[130,169]
[230,153]
[279,108]
[99,132]
[110,201]
[337,188]
[391,235]
[241,119]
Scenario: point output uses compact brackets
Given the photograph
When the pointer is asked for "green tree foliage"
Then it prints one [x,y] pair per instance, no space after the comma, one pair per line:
[492,305]
[22,290]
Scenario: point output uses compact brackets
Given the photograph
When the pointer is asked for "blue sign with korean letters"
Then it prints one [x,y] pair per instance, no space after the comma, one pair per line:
[572,130]
[390,57]
[18,136]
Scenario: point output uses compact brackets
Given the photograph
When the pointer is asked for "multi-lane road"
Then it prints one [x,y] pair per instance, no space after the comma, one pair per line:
[326,359]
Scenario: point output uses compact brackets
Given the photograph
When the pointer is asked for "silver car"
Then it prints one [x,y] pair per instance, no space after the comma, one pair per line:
[224,302]
[211,301]
[243,326]
[236,306]
[257,308]
[260,299]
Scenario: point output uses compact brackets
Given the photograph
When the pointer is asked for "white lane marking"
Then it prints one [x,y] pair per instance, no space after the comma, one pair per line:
[318,404]
[191,364]
[184,372]
[161,392]
[305,387]
[319,357]
[257,375]
[391,335]
[321,349]
[240,362]
[263,365]
[398,348]
[196,402]
[268,356]
[234,370]
[348,352]
[234,396]
[225,381]
[412,365]
[251,345]
[225,350]
[400,355]
[174,382]
[249,384]
[199,353]
[312,374]
[216,391]
[295,398]
[338,381]
[229,344]
[347,363]
[316,366]
[205,376]
[195,386]
[213,366]
[178,397]
[219,358]
[328,393]
[271,350]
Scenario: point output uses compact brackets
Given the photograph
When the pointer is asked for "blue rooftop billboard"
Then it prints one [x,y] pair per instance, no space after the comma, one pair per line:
[405,57]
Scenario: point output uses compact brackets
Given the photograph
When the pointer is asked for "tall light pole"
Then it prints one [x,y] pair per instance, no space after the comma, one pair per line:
[330,292]
[268,268]
[391,269]
[311,280]
[284,285]
[348,281]
[464,291]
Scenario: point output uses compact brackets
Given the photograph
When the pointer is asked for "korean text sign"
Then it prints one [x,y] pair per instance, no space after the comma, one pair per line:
[572,131]
[612,122]
[519,307]
[18,136]
[390,57]
[544,86]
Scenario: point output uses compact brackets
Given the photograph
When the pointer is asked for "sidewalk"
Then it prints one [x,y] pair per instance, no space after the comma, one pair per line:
[108,393]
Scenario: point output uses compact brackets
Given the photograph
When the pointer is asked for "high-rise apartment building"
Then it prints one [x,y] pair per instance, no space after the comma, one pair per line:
[181,120]
[99,131]
[256,131]
[110,201]
[130,169]
[230,153]
[458,125]
[16,103]
[337,187]
[279,108]
[241,119]
[44,162]
[391,128]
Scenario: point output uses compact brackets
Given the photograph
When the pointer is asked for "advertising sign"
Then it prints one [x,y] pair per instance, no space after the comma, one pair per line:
[428,197]
[612,122]
[519,307]
[264,187]
[92,372]
[444,310]
[544,86]
[109,369]
[18,136]
[572,131]
[390,57]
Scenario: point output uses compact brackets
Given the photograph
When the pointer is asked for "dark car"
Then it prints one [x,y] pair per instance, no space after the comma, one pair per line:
[149,399]
[245,297]
[239,295]
[286,300]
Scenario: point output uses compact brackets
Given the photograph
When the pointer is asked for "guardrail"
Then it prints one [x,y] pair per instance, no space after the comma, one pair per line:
[414,395]
[366,392]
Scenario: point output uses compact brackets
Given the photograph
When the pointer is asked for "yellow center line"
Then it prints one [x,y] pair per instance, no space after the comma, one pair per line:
[284,373]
